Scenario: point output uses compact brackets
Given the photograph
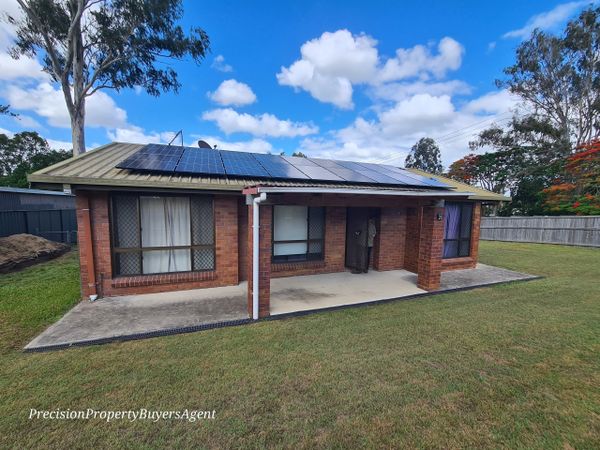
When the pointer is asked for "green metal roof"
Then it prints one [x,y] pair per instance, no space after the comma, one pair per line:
[98,168]
[480,194]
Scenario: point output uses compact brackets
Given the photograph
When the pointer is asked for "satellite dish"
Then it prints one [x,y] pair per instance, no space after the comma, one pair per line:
[203,144]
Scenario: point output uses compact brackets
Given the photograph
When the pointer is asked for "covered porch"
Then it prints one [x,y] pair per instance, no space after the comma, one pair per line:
[295,232]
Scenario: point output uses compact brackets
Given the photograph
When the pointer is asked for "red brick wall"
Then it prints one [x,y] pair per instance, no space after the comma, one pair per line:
[242,239]
[413,234]
[226,238]
[388,248]
[430,248]
[335,249]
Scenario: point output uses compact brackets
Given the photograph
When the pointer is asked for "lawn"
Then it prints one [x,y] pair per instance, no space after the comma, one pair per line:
[513,365]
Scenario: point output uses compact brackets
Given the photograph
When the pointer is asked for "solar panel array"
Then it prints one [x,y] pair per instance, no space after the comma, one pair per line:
[205,161]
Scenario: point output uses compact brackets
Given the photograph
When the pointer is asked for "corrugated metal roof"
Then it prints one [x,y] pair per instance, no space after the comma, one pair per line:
[98,168]
[480,194]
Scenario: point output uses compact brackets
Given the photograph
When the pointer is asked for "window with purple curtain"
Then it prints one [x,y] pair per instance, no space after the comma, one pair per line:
[457,229]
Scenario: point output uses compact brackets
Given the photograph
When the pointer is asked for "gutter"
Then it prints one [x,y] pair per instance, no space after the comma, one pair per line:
[255,251]
[322,190]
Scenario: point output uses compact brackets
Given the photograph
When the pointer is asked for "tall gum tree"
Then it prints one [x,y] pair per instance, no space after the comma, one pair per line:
[88,45]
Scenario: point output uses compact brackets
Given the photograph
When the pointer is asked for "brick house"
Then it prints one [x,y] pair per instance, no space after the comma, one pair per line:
[146,230]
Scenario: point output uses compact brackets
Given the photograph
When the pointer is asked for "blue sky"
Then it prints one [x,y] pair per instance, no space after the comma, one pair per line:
[343,79]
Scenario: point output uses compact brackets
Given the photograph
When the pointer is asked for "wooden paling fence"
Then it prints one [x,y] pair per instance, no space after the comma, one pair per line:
[568,230]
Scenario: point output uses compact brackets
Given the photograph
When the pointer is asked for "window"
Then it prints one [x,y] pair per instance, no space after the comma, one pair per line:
[162,234]
[457,230]
[298,233]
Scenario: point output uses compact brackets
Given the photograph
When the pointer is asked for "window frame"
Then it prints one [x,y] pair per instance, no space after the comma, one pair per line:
[114,250]
[285,259]
[460,239]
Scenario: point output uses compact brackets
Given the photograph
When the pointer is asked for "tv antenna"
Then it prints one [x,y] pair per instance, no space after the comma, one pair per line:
[179,133]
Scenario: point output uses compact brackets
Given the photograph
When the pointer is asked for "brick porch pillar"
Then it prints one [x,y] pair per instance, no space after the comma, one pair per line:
[430,248]
[85,244]
[264,274]
[475,229]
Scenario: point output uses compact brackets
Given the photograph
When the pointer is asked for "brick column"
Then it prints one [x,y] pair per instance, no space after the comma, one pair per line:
[264,274]
[388,248]
[413,233]
[475,224]
[86,248]
[430,248]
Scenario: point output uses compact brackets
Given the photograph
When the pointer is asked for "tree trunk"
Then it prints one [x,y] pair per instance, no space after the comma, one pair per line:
[78,112]
[78,130]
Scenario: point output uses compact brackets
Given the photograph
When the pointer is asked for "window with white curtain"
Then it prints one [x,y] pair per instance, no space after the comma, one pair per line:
[298,233]
[457,229]
[162,234]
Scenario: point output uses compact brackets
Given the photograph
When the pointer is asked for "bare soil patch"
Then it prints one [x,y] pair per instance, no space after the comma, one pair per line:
[22,250]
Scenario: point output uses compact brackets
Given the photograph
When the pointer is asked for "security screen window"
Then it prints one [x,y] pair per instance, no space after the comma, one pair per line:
[162,234]
[298,233]
[457,230]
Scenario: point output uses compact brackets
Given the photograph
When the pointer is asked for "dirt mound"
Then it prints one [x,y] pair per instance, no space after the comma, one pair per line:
[21,250]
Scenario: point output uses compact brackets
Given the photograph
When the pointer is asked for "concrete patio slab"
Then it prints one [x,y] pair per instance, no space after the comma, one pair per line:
[147,315]
[112,318]
[303,293]
[314,292]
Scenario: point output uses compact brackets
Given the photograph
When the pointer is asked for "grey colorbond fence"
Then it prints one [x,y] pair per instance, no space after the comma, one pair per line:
[58,225]
[568,230]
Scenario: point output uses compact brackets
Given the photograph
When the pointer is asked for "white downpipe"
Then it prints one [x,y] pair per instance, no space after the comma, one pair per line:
[255,252]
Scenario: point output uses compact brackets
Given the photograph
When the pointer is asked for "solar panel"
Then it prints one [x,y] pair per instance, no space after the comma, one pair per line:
[169,159]
[242,165]
[200,160]
[154,158]
[279,167]
[320,173]
[346,174]
[298,161]
[368,172]
[405,176]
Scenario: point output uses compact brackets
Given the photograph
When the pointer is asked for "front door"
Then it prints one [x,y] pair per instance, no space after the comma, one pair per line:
[356,238]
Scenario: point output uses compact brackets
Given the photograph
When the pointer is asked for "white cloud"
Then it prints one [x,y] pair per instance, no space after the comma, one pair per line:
[398,91]
[420,112]
[547,20]
[230,121]
[137,135]
[493,103]
[61,145]
[253,145]
[48,102]
[232,92]
[419,61]
[22,68]
[25,121]
[220,65]
[389,136]
[330,65]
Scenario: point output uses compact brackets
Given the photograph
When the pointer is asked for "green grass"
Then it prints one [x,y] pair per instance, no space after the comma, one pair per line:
[35,297]
[512,365]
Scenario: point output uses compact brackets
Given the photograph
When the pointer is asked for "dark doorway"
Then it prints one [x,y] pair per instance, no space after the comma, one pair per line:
[356,239]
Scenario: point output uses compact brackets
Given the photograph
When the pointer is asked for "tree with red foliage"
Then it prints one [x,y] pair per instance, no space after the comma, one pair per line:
[577,191]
